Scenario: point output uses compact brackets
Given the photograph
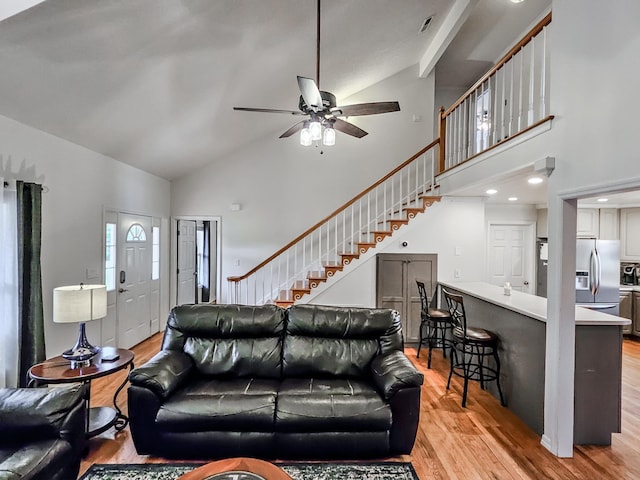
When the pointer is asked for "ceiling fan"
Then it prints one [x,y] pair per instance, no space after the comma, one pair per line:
[324,116]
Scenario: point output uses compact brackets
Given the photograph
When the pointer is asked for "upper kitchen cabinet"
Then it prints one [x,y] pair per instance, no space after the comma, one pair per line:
[588,223]
[630,234]
[609,224]
[542,228]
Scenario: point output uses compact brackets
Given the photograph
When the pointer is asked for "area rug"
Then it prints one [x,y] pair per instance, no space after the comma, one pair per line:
[297,471]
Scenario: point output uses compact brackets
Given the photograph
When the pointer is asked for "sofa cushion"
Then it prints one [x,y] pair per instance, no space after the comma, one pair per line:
[232,340]
[240,404]
[338,404]
[34,460]
[333,341]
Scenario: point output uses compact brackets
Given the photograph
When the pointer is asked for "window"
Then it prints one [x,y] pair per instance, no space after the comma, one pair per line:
[136,233]
[155,254]
[483,120]
[110,257]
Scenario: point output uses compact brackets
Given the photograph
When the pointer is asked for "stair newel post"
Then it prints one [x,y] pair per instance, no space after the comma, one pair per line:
[442,133]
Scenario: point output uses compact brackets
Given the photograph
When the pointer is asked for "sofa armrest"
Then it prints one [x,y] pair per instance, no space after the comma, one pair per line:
[33,414]
[163,373]
[393,372]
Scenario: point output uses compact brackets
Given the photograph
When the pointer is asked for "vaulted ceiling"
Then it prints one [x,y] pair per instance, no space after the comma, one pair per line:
[152,83]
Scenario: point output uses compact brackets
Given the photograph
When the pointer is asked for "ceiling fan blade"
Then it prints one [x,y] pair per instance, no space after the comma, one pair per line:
[268,110]
[348,128]
[296,128]
[365,109]
[310,93]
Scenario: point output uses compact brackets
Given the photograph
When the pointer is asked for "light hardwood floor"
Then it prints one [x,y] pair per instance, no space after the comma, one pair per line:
[483,441]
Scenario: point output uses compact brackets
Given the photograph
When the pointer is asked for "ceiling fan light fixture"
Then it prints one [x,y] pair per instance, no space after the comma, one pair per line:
[315,129]
[305,137]
[329,137]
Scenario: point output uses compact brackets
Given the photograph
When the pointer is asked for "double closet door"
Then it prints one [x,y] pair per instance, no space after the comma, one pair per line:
[396,275]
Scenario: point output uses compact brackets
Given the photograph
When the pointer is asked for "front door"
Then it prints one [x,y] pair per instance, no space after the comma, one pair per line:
[510,256]
[133,279]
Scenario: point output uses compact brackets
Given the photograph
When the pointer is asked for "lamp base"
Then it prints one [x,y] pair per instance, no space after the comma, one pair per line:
[82,352]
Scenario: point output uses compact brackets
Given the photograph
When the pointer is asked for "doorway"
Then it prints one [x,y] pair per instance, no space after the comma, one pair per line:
[132,276]
[510,256]
[196,254]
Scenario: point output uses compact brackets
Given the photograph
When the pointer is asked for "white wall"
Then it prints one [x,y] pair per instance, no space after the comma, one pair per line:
[284,189]
[79,184]
[500,212]
[454,222]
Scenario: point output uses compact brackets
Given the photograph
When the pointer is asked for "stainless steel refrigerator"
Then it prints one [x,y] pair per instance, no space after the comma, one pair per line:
[598,274]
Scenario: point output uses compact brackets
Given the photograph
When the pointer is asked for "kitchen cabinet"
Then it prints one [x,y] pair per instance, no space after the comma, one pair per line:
[636,313]
[626,310]
[630,234]
[396,288]
[609,224]
[588,222]
[542,228]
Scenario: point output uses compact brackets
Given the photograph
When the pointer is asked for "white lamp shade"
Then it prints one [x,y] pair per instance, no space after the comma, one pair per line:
[305,137]
[79,303]
[315,128]
[329,137]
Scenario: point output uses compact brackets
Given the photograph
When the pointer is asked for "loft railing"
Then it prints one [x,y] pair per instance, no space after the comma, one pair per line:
[508,100]
[349,230]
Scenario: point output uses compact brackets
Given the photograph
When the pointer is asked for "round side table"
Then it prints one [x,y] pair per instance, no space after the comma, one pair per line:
[58,370]
[237,469]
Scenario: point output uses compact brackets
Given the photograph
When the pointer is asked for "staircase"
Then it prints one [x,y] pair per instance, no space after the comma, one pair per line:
[340,239]
[300,288]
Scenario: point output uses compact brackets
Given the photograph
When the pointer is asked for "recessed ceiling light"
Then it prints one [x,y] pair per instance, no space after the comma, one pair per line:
[513,199]
[517,1]
[602,200]
[491,191]
[535,180]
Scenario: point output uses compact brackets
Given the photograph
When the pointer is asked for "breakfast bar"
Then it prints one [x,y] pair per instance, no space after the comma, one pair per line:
[520,319]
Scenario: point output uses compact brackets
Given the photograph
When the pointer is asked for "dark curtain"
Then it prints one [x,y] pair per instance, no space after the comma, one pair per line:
[206,265]
[31,317]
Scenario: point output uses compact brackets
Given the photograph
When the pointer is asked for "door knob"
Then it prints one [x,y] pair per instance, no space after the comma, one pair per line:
[122,290]
[526,282]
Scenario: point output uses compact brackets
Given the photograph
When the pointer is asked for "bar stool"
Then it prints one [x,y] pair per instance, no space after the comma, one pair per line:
[437,323]
[470,347]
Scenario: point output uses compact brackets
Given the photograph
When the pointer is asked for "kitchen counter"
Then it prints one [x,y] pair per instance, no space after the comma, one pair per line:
[520,322]
[531,305]
[630,288]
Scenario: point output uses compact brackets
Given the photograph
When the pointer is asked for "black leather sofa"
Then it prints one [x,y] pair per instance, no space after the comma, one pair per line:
[261,381]
[42,432]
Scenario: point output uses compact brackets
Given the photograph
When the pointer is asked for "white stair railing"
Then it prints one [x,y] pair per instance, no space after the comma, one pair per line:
[339,238]
[510,98]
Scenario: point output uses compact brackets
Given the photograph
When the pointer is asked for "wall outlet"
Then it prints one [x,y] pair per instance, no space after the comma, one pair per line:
[456,273]
[458,250]
[236,262]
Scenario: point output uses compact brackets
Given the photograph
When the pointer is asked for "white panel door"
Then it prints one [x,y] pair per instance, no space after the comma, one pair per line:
[133,279]
[187,262]
[510,256]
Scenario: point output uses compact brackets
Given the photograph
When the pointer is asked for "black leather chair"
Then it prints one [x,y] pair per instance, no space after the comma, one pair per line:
[471,346]
[261,381]
[436,322]
[42,432]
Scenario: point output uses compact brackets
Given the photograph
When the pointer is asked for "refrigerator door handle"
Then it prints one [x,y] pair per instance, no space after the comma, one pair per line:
[593,288]
[598,271]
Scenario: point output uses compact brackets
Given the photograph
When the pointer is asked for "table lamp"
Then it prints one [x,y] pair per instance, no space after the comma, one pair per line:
[80,303]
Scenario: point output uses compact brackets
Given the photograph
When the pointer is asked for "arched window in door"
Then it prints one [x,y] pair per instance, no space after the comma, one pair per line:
[136,233]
